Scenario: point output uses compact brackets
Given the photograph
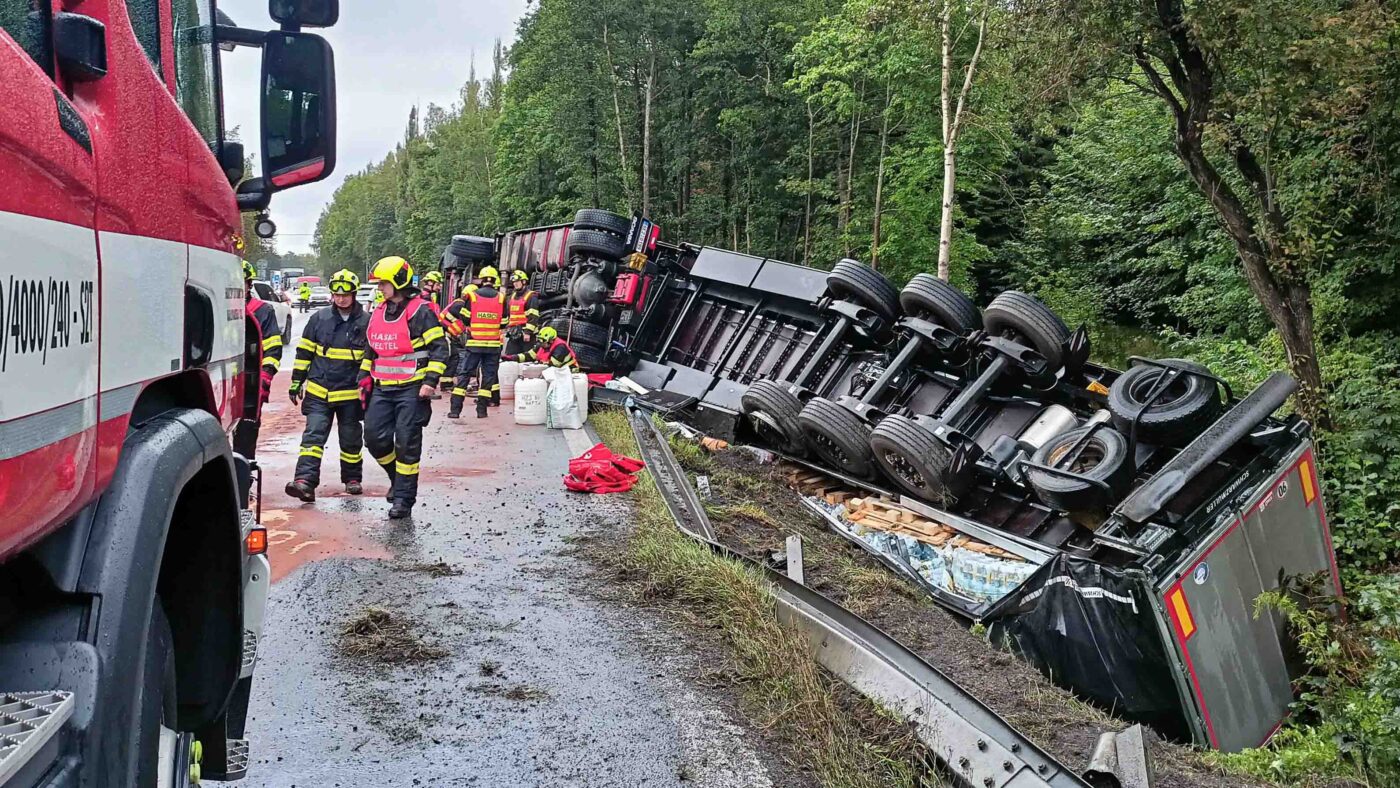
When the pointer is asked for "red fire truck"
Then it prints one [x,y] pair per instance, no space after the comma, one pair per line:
[132,582]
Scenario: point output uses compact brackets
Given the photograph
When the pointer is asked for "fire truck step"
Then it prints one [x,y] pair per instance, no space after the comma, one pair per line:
[28,724]
[237,760]
[250,650]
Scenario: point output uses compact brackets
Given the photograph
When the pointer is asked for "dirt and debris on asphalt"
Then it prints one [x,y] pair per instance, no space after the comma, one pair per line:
[471,646]
[753,511]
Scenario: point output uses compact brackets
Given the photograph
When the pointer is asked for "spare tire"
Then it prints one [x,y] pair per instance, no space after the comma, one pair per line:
[838,436]
[1023,318]
[928,297]
[773,411]
[913,458]
[1188,406]
[1104,457]
[473,248]
[607,221]
[854,281]
[596,243]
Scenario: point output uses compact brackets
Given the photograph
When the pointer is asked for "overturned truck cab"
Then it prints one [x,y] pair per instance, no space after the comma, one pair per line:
[1139,513]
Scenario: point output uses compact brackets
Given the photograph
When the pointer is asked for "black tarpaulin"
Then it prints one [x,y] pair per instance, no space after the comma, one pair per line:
[1082,625]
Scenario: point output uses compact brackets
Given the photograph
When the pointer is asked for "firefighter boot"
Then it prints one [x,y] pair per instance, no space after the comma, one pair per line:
[400,510]
[301,490]
[481,405]
[354,488]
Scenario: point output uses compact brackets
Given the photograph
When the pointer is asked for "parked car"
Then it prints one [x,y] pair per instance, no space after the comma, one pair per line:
[320,296]
[365,295]
[279,301]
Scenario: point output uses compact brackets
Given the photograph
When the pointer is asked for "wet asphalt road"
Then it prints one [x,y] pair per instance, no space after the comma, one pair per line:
[543,684]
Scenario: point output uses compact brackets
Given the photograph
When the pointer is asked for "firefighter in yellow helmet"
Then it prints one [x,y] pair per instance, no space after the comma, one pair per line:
[431,284]
[483,309]
[405,357]
[524,308]
[264,342]
[551,350]
[325,382]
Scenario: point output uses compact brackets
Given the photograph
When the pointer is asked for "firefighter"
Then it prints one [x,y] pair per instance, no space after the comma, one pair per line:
[524,314]
[270,343]
[406,356]
[432,289]
[304,296]
[483,309]
[551,350]
[325,379]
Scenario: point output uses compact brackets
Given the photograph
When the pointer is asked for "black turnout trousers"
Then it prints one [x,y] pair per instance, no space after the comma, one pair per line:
[394,423]
[349,417]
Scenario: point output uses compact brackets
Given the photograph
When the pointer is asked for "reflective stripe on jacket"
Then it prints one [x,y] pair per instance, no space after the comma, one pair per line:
[523,311]
[330,351]
[396,360]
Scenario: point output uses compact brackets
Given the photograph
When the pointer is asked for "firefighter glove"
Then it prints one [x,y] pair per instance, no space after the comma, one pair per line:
[295,392]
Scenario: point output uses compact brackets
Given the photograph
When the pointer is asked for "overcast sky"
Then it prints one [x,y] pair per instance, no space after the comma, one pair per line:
[388,57]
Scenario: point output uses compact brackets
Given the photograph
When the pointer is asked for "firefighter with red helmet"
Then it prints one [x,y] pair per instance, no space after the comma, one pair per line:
[405,357]
[483,309]
[325,382]
[551,350]
[524,309]
[269,344]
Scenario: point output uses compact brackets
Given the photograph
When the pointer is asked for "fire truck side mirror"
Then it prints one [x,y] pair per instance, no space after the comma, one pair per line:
[298,109]
[304,13]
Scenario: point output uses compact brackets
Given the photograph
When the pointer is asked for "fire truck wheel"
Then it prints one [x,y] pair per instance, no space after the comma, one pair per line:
[939,302]
[913,458]
[1023,318]
[854,281]
[473,248]
[165,757]
[607,221]
[773,412]
[838,436]
[596,243]
[1188,406]
[1104,457]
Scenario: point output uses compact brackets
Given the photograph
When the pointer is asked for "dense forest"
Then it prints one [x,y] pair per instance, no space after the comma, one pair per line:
[1216,179]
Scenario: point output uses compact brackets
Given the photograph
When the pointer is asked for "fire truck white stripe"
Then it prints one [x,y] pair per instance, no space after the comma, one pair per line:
[143,302]
[38,430]
[119,402]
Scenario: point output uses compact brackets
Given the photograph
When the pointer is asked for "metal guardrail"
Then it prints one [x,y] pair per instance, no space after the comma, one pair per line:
[976,745]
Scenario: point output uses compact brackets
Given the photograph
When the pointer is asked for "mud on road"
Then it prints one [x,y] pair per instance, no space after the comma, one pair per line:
[470,645]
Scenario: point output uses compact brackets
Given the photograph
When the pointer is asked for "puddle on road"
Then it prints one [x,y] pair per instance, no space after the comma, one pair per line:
[311,532]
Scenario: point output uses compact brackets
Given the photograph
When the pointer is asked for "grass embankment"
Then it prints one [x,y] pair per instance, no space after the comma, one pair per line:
[844,739]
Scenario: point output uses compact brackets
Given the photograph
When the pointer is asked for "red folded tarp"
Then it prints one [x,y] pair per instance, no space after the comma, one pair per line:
[598,470]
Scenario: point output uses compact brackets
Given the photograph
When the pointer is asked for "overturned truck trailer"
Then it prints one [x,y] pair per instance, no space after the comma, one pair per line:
[1146,509]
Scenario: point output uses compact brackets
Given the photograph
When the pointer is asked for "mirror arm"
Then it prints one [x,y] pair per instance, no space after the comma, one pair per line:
[239,36]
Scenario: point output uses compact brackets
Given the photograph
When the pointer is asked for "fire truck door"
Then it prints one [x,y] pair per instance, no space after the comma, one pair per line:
[48,299]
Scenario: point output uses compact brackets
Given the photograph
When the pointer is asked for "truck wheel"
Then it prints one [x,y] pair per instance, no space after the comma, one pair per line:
[596,243]
[1188,406]
[939,302]
[838,436]
[1104,457]
[915,459]
[590,357]
[1023,318]
[774,411]
[164,755]
[853,281]
[581,332]
[607,221]
[473,248]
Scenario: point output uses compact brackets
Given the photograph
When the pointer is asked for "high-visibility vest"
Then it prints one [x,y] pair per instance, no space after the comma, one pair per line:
[485,323]
[450,323]
[518,306]
[396,361]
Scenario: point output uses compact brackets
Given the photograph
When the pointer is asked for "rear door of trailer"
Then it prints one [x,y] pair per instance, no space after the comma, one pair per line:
[1233,666]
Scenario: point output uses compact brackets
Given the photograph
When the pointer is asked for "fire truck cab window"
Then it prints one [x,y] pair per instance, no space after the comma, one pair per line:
[145,20]
[195,76]
[28,22]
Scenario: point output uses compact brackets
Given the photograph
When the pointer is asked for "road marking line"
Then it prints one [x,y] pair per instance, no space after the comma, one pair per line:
[290,535]
[577,441]
[294,550]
